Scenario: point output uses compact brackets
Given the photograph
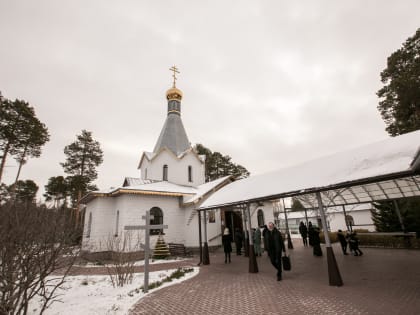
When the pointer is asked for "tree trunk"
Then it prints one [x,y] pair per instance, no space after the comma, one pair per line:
[3,159]
[21,162]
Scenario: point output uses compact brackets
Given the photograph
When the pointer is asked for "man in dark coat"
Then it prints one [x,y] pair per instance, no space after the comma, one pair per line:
[343,242]
[238,241]
[303,230]
[275,248]
[265,237]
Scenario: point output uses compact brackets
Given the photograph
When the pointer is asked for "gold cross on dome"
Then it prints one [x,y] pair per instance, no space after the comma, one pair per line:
[175,71]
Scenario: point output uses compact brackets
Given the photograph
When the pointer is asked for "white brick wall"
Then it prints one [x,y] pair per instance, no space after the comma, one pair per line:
[133,207]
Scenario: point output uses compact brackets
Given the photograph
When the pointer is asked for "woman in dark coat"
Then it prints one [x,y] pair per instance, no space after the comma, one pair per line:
[311,233]
[227,244]
[316,242]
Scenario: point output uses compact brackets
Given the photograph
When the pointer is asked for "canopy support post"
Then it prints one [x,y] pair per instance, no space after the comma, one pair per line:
[333,271]
[206,256]
[289,240]
[253,267]
[199,238]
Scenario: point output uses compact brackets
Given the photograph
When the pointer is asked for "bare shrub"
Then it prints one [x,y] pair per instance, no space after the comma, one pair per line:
[35,242]
[122,248]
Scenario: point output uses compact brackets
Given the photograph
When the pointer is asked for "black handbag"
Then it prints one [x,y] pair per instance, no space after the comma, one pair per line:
[286,262]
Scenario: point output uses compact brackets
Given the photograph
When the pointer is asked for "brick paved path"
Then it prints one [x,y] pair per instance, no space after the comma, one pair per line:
[382,281]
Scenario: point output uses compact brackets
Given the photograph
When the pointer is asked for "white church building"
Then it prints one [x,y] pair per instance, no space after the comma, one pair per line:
[172,185]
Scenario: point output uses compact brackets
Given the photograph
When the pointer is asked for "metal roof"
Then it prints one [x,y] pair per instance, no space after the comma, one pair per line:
[173,135]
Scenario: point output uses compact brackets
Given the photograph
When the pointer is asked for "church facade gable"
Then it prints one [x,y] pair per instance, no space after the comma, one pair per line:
[188,169]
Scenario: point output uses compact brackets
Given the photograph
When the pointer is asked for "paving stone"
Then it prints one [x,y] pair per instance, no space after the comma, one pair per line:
[382,281]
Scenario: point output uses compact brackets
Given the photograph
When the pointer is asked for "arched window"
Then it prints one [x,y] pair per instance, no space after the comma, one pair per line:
[117,222]
[190,173]
[165,172]
[89,226]
[157,219]
[260,217]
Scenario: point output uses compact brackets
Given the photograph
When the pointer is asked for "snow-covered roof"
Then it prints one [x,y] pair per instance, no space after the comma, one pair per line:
[133,181]
[162,188]
[363,174]
[204,189]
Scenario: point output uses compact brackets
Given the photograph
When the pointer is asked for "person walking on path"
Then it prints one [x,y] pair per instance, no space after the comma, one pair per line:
[316,241]
[343,241]
[227,244]
[275,248]
[257,241]
[354,244]
[303,230]
[238,241]
[265,238]
[311,233]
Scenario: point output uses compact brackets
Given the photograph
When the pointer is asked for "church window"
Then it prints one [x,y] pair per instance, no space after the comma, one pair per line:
[165,172]
[157,219]
[260,217]
[89,226]
[145,173]
[190,173]
[117,222]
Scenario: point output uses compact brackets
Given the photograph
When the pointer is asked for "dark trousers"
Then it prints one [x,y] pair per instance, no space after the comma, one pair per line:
[276,262]
[344,247]
[305,241]
[238,248]
[227,257]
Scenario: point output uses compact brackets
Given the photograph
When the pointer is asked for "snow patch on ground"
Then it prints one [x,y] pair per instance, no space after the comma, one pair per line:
[94,294]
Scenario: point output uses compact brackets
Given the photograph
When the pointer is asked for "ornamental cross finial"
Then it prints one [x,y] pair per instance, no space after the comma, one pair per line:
[175,71]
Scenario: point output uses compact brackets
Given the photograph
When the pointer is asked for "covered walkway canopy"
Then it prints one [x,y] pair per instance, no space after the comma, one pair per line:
[389,169]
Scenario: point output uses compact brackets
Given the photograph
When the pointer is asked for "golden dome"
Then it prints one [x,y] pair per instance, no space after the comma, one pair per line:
[174,94]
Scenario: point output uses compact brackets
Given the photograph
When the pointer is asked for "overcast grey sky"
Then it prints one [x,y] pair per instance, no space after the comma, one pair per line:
[270,83]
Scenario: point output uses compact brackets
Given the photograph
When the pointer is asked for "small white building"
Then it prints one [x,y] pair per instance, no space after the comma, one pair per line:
[356,216]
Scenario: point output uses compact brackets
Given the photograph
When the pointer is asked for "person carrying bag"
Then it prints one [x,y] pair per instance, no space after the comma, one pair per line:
[285,259]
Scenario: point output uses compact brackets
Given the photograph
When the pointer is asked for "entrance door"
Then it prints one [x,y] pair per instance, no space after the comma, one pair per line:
[233,220]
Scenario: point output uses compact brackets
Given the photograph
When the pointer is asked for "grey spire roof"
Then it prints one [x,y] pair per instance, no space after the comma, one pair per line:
[173,135]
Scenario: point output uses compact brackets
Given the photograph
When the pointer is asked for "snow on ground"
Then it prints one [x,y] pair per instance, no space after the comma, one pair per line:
[94,294]
[137,263]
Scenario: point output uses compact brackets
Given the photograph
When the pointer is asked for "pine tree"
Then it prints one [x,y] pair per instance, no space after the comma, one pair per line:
[384,217]
[56,190]
[24,191]
[21,133]
[386,220]
[219,165]
[400,96]
[83,156]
